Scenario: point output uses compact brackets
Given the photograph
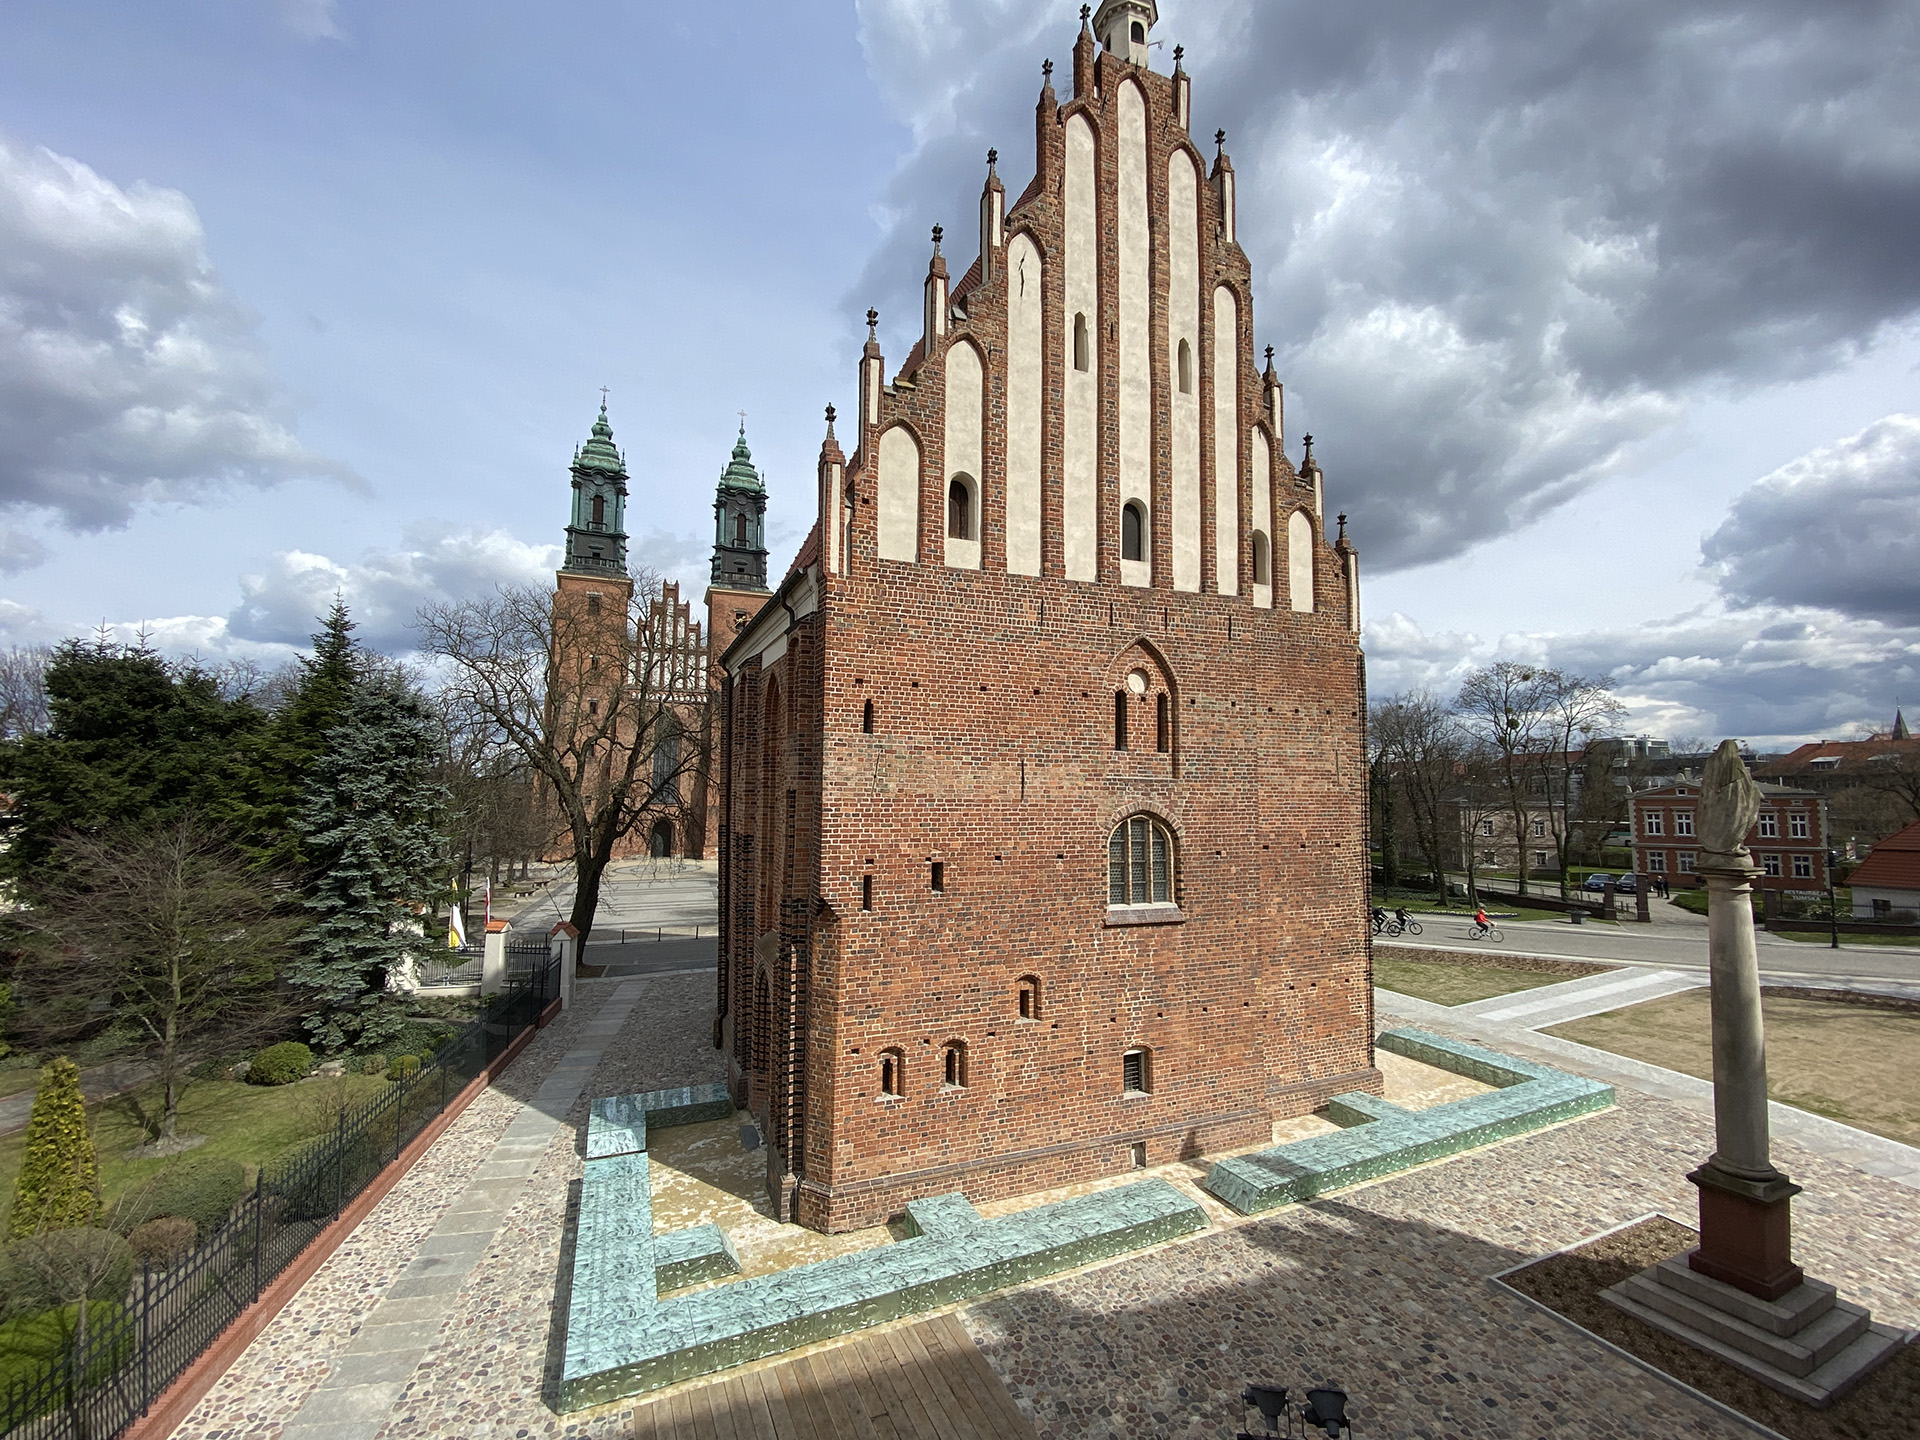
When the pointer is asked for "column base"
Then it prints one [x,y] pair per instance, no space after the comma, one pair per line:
[1746,1231]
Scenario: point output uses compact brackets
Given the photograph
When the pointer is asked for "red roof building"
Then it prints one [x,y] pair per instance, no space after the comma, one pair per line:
[1788,839]
[1888,880]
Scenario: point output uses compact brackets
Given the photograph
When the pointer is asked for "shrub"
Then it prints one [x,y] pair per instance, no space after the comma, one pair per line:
[281,1064]
[403,1067]
[53,1269]
[59,1184]
[32,1344]
[374,1065]
[160,1241]
[200,1188]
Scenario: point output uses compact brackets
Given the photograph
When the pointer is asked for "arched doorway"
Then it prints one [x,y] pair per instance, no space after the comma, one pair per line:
[660,840]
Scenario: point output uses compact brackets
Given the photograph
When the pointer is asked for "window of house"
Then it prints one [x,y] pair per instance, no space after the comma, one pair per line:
[1140,863]
[1540,859]
[1486,827]
[1027,996]
[1081,359]
[893,1072]
[1657,861]
[1687,857]
[1489,857]
[937,876]
[959,509]
[1797,826]
[953,1062]
[1803,867]
[1136,1073]
[1133,531]
[1683,822]
[1769,826]
[1186,368]
[1262,559]
[1882,908]
[1770,864]
[866,892]
[1655,822]
[1162,724]
[1119,719]
[1539,828]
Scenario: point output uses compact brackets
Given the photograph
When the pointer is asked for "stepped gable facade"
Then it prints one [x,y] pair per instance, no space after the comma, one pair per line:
[1042,824]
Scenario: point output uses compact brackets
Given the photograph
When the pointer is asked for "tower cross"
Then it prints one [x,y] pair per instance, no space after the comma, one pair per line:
[603,397]
[743,421]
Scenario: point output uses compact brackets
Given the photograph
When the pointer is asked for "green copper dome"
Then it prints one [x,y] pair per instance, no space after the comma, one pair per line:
[740,474]
[598,453]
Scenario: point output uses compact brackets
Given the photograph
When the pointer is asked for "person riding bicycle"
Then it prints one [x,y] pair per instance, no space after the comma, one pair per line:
[1379,917]
[1402,916]
[1480,916]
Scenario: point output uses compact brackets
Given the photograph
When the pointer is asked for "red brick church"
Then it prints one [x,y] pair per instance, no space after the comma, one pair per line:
[1042,777]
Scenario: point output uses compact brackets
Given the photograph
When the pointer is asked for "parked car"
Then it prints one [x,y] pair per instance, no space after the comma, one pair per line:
[1596,882]
[1628,884]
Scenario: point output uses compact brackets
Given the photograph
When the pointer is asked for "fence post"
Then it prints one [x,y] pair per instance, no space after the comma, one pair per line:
[493,958]
[259,1226]
[340,1165]
[146,1331]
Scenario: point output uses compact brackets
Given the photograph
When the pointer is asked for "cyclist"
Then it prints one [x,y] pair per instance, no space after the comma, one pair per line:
[1480,916]
[1401,916]
[1379,919]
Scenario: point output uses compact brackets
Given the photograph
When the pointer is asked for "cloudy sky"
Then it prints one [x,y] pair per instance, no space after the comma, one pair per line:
[1606,317]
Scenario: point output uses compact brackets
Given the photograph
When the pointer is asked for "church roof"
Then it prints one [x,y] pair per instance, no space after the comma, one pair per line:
[740,474]
[598,453]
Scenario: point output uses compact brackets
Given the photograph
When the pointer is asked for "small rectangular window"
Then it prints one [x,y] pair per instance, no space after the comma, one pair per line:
[1486,827]
[1683,822]
[1687,858]
[1770,864]
[1119,719]
[939,876]
[1656,823]
[1163,724]
[1540,859]
[1769,826]
[866,892]
[1539,829]
[1133,1072]
[1803,867]
[1139,1154]
[1657,861]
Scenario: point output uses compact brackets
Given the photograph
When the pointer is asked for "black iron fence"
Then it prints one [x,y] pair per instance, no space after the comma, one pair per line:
[125,1354]
[465,966]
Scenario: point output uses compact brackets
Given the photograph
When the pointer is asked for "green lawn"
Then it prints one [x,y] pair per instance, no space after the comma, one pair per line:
[254,1124]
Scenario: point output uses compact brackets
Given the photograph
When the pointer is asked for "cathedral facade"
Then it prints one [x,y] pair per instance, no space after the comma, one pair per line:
[1042,786]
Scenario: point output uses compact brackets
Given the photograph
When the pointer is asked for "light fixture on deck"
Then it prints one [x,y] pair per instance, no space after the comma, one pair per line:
[1271,1402]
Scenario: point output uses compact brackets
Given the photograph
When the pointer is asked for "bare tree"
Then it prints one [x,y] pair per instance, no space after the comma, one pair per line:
[1420,746]
[175,931]
[1479,797]
[23,690]
[1507,706]
[1576,709]
[597,701]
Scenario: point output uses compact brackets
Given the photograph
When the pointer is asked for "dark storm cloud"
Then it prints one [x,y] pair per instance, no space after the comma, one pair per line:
[1839,528]
[1494,243]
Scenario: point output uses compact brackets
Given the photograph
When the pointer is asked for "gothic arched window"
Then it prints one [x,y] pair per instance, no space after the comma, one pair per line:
[1186,368]
[959,509]
[1140,863]
[740,531]
[1133,531]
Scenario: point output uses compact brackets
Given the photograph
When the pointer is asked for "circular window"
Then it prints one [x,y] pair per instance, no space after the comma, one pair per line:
[1137,681]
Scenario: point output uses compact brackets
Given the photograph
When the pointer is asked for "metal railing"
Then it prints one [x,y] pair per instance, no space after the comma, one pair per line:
[133,1350]
[467,969]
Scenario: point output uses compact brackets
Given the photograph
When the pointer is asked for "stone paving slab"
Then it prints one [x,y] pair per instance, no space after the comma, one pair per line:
[1575,999]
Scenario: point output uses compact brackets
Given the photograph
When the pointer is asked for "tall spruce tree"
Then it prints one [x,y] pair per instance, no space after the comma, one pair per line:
[329,679]
[370,822]
[59,1182]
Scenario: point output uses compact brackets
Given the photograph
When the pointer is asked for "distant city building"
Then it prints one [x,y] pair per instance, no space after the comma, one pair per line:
[1788,839]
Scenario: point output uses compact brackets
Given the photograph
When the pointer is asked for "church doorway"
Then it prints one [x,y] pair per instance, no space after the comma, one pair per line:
[660,840]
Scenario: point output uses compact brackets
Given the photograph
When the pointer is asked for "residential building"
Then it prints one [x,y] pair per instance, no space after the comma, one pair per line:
[1789,838]
[1886,885]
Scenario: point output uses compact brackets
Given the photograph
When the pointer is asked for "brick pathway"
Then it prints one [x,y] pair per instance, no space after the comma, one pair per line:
[1381,1290]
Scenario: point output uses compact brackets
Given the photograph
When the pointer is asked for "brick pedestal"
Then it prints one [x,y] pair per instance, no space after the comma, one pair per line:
[1746,1232]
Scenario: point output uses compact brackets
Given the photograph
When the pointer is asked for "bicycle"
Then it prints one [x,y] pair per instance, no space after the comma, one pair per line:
[1405,924]
[1477,931]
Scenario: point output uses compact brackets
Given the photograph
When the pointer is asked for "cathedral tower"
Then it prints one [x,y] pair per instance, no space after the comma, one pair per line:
[596,533]
[740,523]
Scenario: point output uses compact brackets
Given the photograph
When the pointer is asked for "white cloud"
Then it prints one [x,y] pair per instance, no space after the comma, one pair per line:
[1839,528]
[128,373]
[312,19]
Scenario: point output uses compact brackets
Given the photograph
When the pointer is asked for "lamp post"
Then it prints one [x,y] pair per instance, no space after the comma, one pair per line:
[1833,915]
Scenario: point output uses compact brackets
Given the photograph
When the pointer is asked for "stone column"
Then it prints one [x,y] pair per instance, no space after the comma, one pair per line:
[1744,1201]
[493,958]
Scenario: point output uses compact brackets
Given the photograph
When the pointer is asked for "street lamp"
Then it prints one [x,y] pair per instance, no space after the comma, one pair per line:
[1833,915]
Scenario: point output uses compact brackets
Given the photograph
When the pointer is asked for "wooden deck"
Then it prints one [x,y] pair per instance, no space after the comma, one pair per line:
[920,1380]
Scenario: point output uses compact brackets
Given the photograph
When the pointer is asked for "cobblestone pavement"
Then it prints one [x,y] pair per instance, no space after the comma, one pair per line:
[1382,1290]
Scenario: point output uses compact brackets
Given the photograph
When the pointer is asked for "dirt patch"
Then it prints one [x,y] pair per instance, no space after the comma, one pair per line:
[1886,1405]
[1849,1062]
[1533,964]
[1426,976]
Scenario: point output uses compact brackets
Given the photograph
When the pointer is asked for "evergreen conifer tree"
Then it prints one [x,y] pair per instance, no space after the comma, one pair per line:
[59,1184]
[329,679]
[370,822]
